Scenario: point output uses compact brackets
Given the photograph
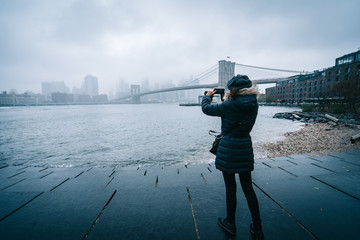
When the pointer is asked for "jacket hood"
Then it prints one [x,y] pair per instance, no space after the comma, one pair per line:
[230,95]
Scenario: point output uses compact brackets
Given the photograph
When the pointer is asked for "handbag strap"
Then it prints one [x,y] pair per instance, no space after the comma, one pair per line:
[214,133]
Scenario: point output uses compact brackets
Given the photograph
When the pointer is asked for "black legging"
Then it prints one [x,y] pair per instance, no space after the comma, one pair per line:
[246,184]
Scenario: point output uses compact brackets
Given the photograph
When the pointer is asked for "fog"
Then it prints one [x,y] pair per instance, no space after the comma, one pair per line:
[166,41]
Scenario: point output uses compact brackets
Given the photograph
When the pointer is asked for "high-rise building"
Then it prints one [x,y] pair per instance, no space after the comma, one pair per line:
[53,87]
[122,88]
[90,85]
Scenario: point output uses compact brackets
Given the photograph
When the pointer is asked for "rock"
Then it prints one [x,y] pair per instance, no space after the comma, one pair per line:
[334,119]
[297,117]
[318,117]
[355,138]
[331,123]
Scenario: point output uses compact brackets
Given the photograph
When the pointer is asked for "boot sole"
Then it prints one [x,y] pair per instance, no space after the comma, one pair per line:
[226,229]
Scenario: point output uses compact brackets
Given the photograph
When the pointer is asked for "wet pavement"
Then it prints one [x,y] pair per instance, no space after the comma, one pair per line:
[300,197]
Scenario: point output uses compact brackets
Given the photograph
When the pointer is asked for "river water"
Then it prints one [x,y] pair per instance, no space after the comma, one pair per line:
[119,135]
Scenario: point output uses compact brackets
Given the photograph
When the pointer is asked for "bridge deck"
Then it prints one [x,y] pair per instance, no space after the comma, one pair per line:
[301,197]
[210,85]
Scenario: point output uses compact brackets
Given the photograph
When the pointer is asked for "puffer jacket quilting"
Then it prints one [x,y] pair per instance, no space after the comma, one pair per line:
[235,151]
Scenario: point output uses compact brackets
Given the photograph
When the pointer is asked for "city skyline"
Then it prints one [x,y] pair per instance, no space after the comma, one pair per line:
[166,41]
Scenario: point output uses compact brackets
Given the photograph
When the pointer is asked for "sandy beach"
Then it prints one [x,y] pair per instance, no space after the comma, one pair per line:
[314,138]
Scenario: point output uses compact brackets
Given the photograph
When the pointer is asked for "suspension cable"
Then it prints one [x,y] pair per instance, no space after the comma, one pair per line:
[202,75]
[272,69]
[208,70]
[208,74]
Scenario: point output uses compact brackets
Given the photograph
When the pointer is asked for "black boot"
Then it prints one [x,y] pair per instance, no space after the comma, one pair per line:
[256,234]
[225,225]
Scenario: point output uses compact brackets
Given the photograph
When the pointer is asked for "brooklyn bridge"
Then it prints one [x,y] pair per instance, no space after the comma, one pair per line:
[224,70]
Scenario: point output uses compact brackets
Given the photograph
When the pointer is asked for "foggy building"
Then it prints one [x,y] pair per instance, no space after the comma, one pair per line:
[12,99]
[13,90]
[192,95]
[145,87]
[189,96]
[57,97]
[82,98]
[51,87]
[111,95]
[169,96]
[76,90]
[122,89]
[90,85]
[154,97]
[100,98]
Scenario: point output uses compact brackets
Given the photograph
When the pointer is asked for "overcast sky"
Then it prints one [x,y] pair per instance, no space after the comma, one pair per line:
[166,41]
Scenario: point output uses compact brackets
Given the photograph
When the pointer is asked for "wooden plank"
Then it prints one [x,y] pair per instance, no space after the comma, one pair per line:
[3,165]
[302,159]
[271,173]
[209,204]
[349,157]
[9,172]
[28,172]
[96,179]
[156,197]
[278,163]
[340,166]
[337,164]
[344,182]
[355,152]
[37,185]
[141,210]
[284,158]
[322,209]
[65,172]
[11,201]
[55,215]
[307,170]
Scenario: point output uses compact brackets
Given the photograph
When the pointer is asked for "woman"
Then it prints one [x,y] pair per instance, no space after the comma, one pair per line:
[235,153]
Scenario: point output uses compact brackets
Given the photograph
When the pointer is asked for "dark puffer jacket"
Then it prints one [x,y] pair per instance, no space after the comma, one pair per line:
[235,152]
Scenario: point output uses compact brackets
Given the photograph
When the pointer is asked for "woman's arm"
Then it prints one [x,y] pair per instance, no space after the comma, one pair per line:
[211,109]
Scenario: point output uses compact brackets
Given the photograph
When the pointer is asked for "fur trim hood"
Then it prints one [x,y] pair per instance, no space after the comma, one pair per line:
[232,94]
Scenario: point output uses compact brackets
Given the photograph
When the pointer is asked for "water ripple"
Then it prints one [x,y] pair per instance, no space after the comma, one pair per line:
[118,135]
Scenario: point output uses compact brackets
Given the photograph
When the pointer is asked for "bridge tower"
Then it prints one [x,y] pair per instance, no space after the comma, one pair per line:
[135,90]
[226,72]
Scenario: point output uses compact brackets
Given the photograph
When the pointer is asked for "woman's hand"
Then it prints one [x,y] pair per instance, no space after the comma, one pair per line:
[211,93]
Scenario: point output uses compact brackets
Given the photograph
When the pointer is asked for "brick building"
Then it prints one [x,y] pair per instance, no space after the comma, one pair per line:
[317,85]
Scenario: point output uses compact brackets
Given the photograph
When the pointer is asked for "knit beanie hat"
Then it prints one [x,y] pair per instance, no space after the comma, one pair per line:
[239,82]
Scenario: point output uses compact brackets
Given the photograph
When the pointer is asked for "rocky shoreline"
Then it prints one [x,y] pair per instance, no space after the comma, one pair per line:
[322,134]
[345,119]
